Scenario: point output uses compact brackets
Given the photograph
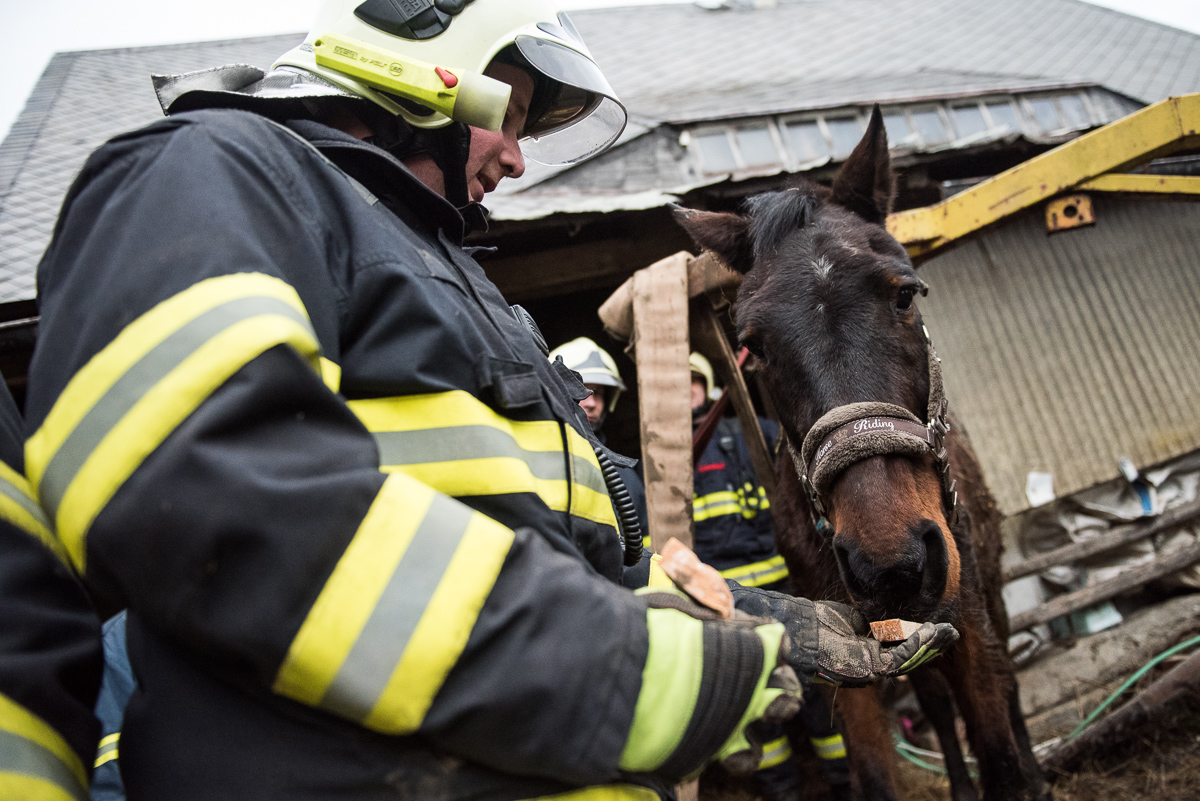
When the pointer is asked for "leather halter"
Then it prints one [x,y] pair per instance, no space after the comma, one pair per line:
[851,433]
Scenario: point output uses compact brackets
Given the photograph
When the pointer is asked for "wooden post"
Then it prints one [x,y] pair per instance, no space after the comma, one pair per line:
[660,327]
[713,334]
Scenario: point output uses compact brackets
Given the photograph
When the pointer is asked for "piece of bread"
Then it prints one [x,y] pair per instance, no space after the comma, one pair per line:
[893,630]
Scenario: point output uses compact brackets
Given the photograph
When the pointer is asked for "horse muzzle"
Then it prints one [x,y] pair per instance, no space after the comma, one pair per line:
[911,584]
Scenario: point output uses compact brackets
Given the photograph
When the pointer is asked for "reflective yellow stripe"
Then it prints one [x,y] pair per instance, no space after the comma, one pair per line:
[670,687]
[456,444]
[775,752]
[395,614]
[19,507]
[107,751]
[658,577]
[832,747]
[609,792]
[331,374]
[747,502]
[35,761]
[131,395]
[756,574]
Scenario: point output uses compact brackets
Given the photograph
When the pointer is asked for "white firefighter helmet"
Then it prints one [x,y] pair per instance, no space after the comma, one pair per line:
[424,60]
[702,367]
[593,363]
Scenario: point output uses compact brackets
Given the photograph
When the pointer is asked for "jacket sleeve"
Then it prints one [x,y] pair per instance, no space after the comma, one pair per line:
[49,651]
[202,473]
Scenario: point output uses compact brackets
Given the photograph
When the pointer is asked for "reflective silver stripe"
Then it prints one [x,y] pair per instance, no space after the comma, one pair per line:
[829,747]
[18,755]
[106,748]
[141,378]
[370,664]
[458,443]
[775,752]
[12,492]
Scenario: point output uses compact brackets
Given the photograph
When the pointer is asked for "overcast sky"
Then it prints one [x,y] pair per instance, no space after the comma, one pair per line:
[37,30]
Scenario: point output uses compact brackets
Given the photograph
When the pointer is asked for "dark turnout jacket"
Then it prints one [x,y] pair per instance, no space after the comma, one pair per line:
[356,516]
[49,645]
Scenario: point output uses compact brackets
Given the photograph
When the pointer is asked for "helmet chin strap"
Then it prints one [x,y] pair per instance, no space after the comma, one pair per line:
[449,147]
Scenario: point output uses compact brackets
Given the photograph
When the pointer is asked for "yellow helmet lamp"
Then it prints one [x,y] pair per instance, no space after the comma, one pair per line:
[593,364]
[424,61]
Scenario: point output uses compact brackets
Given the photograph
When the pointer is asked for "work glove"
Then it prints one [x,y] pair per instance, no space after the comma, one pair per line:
[831,643]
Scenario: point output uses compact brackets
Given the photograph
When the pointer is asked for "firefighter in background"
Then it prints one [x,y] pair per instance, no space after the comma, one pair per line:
[364,537]
[50,659]
[734,533]
[598,371]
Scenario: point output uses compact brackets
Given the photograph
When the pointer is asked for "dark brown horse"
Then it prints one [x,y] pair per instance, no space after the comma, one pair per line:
[827,306]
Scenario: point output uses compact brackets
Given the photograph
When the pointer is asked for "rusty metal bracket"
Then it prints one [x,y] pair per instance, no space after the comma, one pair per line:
[1072,211]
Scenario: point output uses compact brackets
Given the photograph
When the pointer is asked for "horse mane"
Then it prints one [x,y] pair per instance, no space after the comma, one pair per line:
[776,215]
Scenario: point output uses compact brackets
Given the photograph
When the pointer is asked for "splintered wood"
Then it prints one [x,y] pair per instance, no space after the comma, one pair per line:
[702,582]
[893,630]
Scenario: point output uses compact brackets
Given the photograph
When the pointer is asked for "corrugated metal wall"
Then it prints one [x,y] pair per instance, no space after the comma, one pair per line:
[1062,353]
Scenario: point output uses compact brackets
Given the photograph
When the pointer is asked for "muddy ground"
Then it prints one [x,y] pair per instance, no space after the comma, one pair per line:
[1161,762]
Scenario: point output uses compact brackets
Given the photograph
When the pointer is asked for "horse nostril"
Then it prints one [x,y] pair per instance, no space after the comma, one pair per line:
[937,561]
[902,584]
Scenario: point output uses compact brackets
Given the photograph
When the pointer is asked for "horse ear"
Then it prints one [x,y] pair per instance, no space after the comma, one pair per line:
[865,183]
[724,233]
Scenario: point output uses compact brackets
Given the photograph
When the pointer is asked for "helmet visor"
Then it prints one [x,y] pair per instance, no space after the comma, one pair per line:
[581,117]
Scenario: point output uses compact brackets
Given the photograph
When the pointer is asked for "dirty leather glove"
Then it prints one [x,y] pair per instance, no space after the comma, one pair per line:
[831,642]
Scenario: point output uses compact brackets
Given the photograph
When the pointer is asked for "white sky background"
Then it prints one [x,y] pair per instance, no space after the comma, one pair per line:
[37,30]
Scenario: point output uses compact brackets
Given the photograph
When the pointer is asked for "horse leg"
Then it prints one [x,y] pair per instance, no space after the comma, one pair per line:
[868,744]
[986,689]
[937,702]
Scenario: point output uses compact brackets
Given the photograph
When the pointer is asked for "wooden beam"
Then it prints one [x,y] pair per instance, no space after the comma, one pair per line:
[1128,580]
[660,314]
[711,337]
[1172,690]
[1114,538]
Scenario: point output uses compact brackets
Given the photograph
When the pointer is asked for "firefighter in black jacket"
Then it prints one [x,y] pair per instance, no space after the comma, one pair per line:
[735,532]
[49,645]
[364,538]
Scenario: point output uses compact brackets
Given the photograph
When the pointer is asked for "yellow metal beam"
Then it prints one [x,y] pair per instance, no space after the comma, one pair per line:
[1162,128]
[1144,184]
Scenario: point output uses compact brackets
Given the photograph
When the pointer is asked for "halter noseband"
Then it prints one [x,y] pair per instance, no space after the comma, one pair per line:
[851,433]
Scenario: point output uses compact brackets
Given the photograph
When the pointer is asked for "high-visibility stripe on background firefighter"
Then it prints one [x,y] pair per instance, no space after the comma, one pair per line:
[35,761]
[393,618]
[758,574]
[456,444]
[131,395]
[832,747]
[775,752]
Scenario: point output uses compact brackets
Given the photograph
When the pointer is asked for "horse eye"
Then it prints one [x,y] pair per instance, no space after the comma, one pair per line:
[904,299]
[755,347]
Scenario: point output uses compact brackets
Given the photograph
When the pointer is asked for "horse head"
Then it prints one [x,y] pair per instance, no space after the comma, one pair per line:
[827,307]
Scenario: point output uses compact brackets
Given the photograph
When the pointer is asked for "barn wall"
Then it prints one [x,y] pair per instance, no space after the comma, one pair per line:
[1062,353]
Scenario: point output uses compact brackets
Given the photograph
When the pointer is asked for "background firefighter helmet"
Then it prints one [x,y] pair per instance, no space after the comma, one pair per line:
[593,363]
[424,60]
[701,366]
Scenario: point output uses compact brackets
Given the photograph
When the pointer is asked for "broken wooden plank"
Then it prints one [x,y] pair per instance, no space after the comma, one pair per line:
[1114,538]
[1178,684]
[1128,580]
